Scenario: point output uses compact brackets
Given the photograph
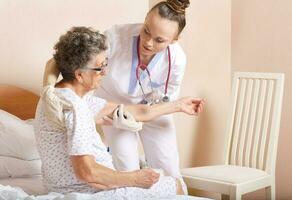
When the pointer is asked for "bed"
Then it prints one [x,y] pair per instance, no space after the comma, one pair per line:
[21,103]
[17,101]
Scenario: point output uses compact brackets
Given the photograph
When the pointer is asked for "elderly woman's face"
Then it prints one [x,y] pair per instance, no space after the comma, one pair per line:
[94,71]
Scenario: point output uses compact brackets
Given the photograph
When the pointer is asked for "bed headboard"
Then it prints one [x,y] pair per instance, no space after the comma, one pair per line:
[18,101]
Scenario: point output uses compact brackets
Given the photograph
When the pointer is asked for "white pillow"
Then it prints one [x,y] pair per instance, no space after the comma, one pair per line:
[13,167]
[17,138]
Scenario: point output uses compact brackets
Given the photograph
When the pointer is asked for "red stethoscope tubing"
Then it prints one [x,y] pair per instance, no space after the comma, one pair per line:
[144,67]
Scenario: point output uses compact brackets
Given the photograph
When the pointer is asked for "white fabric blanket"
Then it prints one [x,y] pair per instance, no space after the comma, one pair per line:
[11,193]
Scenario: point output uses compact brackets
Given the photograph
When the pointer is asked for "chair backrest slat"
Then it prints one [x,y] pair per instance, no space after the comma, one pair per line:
[251,127]
[254,118]
[259,121]
[266,124]
[275,126]
[243,133]
[237,124]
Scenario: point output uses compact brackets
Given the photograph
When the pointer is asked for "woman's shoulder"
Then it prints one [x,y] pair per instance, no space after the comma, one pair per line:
[124,29]
[120,37]
[177,48]
[68,95]
[177,52]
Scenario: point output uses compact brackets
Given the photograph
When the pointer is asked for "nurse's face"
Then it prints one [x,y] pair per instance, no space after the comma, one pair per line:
[156,34]
[94,71]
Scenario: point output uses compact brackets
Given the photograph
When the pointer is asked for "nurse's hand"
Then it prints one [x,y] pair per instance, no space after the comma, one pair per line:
[145,178]
[190,105]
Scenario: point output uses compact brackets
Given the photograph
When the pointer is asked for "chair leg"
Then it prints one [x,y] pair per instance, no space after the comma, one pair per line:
[224,197]
[234,194]
[270,192]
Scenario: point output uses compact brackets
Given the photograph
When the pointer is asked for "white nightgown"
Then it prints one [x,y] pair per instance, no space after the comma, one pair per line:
[79,137]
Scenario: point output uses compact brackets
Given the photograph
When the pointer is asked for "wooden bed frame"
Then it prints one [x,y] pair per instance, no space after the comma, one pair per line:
[18,101]
[22,103]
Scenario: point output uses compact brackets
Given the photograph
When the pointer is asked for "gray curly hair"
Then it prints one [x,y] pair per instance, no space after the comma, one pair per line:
[75,49]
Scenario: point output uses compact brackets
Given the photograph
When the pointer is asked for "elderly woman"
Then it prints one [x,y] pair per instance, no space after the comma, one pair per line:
[74,159]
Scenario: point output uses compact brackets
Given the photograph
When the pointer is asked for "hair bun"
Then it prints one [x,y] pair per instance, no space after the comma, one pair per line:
[178,6]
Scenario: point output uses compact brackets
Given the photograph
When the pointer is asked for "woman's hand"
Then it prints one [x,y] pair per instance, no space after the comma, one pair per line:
[105,121]
[190,105]
[179,188]
[51,73]
[145,178]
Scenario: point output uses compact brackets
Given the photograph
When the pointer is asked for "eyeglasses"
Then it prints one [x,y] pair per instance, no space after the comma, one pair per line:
[102,68]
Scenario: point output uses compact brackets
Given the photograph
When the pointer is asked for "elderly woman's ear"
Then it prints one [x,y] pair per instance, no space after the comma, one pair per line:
[78,76]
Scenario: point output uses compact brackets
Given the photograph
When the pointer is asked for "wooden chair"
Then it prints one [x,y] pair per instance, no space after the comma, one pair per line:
[253,128]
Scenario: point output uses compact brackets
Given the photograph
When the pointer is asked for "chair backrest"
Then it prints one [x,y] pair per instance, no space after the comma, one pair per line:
[254,120]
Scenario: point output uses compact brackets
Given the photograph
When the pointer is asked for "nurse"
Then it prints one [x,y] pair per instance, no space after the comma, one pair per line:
[146,65]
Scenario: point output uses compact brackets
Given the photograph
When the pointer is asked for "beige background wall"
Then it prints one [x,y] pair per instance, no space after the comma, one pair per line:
[206,42]
[30,28]
[262,41]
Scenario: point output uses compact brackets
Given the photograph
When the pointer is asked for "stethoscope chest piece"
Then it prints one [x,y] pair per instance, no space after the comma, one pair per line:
[165,99]
[144,101]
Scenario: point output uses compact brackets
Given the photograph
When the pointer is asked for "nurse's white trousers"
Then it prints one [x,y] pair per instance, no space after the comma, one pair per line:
[158,138]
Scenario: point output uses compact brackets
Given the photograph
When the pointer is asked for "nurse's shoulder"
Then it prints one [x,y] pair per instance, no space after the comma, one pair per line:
[178,55]
[121,36]
[127,30]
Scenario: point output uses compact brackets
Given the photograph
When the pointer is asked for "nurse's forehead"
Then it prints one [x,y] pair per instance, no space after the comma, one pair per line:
[159,26]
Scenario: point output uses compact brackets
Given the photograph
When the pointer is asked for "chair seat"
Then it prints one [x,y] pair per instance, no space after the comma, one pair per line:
[225,173]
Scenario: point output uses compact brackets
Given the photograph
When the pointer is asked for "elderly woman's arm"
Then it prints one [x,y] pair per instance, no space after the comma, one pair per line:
[101,177]
[189,105]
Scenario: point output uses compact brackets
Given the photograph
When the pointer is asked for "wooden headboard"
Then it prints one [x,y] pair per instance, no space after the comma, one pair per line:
[17,101]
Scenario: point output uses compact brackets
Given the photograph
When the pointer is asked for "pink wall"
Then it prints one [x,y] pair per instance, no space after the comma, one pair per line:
[206,42]
[262,41]
[30,28]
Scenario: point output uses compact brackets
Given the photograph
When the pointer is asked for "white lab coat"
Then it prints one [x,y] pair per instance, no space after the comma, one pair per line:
[120,85]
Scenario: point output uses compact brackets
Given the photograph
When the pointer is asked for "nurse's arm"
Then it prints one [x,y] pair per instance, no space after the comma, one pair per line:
[188,105]
[144,113]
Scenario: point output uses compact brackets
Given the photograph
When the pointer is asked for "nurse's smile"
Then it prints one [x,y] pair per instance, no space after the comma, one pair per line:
[147,49]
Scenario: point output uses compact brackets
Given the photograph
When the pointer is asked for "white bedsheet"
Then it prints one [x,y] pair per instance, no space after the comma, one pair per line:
[31,185]
[14,193]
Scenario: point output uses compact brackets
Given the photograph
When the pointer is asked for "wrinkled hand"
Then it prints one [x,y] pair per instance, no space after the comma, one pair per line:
[105,121]
[51,73]
[191,105]
[145,178]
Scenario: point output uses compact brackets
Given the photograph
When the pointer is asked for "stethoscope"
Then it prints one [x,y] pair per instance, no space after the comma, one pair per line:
[142,66]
